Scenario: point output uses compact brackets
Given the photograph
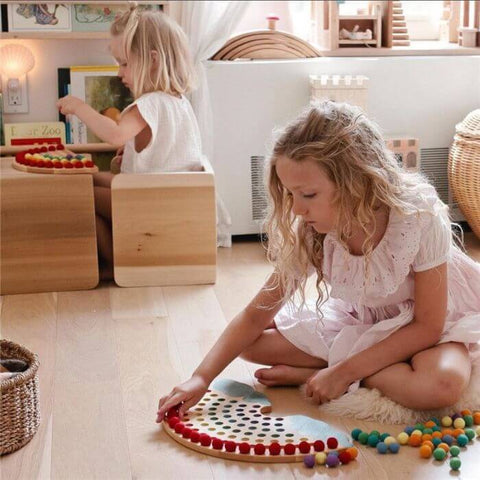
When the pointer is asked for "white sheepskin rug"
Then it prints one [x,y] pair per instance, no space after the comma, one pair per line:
[371,405]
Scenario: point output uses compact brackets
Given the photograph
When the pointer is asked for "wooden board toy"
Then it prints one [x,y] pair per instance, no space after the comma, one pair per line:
[53,159]
[232,421]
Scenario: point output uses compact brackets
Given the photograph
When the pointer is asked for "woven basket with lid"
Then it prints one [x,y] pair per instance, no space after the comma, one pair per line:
[464,169]
[19,405]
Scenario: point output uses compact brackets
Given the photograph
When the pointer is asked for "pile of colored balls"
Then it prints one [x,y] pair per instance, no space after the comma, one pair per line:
[442,438]
[437,438]
[331,459]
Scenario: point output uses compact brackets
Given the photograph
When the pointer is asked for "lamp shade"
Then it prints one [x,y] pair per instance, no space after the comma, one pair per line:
[15,60]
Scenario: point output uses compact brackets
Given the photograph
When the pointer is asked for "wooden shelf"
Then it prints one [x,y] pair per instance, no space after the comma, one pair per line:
[57,35]
[357,17]
[357,42]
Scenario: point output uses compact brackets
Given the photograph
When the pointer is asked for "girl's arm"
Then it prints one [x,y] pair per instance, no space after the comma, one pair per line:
[241,332]
[424,331]
[131,123]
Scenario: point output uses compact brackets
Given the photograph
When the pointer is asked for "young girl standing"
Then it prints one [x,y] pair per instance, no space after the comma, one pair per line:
[158,132]
[403,309]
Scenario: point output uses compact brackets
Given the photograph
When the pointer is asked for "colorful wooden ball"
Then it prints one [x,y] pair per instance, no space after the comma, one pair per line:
[186,432]
[470,433]
[430,424]
[408,430]
[309,461]
[477,431]
[476,418]
[425,451]
[383,436]
[382,447]
[353,452]
[205,440]
[415,440]
[394,447]
[363,438]
[462,440]
[466,412]
[304,447]
[459,423]
[390,440]
[444,446]
[318,446]
[332,460]
[179,427]
[373,440]
[332,442]
[454,451]
[173,421]
[259,449]
[321,458]
[456,415]
[436,442]
[447,421]
[402,438]
[355,433]
[289,449]
[439,454]
[230,446]
[195,437]
[455,463]
[344,457]
[468,420]
[448,439]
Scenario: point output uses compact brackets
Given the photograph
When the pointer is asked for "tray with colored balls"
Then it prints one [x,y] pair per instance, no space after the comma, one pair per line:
[53,159]
[235,422]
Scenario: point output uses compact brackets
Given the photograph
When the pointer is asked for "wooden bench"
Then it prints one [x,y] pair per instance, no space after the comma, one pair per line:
[164,228]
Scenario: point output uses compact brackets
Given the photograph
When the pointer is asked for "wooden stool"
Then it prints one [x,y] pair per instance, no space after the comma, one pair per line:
[164,228]
[48,240]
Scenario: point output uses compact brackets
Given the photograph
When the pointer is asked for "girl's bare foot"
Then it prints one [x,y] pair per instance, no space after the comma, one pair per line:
[280,375]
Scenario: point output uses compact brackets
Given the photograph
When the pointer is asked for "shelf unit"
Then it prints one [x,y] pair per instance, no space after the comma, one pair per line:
[348,22]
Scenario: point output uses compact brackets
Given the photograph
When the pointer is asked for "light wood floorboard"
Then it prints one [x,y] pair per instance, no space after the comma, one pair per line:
[108,354]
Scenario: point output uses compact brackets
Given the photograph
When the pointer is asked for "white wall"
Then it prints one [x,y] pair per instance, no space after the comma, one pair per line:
[422,97]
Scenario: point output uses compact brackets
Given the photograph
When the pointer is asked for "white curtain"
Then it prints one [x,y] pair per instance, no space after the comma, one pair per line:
[208,26]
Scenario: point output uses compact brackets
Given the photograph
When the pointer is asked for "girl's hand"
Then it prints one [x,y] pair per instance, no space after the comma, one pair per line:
[69,104]
[116,162]
[327,384]
[187,394]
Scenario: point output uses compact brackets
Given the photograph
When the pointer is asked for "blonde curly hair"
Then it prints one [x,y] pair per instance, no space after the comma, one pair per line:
[144,31]
[350,149]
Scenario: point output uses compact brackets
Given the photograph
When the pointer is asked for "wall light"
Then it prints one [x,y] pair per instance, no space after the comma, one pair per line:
[15,62]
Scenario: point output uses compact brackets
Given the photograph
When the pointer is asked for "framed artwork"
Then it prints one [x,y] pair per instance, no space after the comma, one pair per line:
[98,17]
[38,17]
[100,87]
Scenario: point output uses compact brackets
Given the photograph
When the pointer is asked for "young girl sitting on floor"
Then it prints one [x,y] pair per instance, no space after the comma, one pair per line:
[403,308]
[159,130]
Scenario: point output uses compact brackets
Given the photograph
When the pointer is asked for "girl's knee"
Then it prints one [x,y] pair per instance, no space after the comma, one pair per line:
[447,384]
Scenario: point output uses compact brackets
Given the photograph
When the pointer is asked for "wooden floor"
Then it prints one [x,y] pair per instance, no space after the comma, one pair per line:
[108,354]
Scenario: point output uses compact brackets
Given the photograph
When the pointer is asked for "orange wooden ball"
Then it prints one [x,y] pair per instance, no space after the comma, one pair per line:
[353,452]
[476,418]
[430,444]
[425,451]
[458,431]
[426,436]
[444,446]
[437,435]
[415,440]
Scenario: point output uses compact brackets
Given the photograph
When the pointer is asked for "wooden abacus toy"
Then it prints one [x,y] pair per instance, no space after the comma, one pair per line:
[231,421]
[53,159]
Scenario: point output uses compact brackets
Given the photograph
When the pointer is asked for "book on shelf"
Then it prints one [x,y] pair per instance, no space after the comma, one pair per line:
[17,134]
[100,87]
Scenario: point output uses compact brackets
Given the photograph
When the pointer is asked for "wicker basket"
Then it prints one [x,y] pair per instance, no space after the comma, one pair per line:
[464,169]
[19,406]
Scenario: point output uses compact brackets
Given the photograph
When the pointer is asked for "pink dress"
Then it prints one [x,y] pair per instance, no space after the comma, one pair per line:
[363,310]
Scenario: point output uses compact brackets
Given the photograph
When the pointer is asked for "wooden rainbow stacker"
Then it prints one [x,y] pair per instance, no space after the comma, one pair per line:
[232,421]
[53,159]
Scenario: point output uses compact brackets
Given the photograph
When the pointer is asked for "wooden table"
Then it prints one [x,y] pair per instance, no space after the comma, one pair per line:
[48,240]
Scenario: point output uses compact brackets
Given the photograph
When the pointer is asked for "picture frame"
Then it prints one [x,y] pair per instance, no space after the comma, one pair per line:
[97,17]
[39,17]
[101,88]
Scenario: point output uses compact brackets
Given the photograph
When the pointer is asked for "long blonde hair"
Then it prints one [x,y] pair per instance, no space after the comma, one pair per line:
[144,31]
[350,149]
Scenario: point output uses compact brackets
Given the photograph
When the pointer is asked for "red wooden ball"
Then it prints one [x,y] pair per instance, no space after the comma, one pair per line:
[318,446]
[179,427]
[186,432]
[289,448]
[230,446]
[345,457]
[244,448]
[173,421]
[205,440]
[332,442]
[304,447]
[275,449]
[217,444]
[195,437]
[259,449]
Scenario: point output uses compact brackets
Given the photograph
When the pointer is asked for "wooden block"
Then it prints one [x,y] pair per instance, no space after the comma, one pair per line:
[47,231]
[164,228]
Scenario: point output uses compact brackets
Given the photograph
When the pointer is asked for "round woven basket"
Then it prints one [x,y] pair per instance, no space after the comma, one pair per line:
[19,406]
[464,169]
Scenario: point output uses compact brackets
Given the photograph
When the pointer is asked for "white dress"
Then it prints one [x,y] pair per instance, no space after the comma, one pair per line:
[175,144]
[361,311]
